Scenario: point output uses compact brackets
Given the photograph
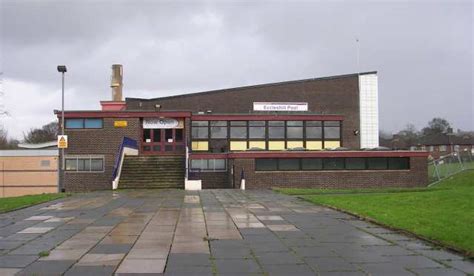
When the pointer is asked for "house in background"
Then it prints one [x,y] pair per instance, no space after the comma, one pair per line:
[32,169]
[443,144]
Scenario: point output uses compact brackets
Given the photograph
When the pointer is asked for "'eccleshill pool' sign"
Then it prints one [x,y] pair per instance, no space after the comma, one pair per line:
[272,106]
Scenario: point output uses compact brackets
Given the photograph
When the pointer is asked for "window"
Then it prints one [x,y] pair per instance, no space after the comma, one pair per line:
[238,130]
[355,163]
[332,130]
[314,130]
[200,129]
[309,164]
[210,165]
[266,164]
[377,163]
[276,129]
[178,135]
[218,129]
[45,163]
[399,163]
[83,123]
[289,164]
[257,129]
[333,163]
[294,129]
[84,164]
[442,148]
[156,135]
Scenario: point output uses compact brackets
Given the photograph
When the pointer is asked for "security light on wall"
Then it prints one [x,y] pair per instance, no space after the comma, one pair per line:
[356,132]
[157,106]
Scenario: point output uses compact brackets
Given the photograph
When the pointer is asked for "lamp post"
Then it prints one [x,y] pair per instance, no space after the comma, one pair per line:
[61,69]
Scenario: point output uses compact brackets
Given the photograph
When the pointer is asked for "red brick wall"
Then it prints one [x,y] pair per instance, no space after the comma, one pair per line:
[339,96]
[106,142]
[417,176]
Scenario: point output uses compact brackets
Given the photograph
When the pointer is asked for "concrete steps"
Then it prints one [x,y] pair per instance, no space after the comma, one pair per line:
[152,172]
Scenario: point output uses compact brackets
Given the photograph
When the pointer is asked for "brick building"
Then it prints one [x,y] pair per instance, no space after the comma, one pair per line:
[320,132]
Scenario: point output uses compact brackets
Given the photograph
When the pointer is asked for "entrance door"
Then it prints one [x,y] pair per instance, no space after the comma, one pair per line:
[163,141]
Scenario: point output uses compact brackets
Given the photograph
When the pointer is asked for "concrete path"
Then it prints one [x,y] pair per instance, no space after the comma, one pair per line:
[213,232]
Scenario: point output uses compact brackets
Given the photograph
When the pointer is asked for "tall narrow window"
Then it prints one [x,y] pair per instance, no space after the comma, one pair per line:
[218,129]
[256,129]
[238,130]
[200,130]
[276,130]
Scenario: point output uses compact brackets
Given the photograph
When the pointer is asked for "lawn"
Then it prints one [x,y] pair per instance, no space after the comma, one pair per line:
[13,203]
[444,212]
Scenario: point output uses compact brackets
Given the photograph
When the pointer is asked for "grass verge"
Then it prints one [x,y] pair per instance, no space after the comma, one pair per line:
[12,203]
[443,213]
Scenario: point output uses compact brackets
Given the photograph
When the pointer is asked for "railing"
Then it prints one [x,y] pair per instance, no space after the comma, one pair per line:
[448,165]
[126,143]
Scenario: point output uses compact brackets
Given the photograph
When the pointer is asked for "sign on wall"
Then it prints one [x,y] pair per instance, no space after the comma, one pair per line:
[62,141]
[153,123]
[279,106]
[120,123]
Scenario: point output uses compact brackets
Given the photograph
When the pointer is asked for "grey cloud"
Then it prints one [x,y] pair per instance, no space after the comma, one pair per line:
[422,50]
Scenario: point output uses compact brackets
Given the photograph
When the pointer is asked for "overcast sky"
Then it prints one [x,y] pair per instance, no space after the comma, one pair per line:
[423,52]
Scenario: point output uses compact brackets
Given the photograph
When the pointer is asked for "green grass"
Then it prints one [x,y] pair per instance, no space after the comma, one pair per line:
[12,203]
[444,212]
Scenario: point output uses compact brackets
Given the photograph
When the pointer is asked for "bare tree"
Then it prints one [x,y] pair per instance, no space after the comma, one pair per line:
[44,134]
[5,142]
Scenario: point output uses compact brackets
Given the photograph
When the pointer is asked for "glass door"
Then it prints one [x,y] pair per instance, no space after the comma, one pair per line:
[163,141]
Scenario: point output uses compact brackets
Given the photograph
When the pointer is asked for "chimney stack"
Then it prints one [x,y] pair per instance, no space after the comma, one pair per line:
[116,82]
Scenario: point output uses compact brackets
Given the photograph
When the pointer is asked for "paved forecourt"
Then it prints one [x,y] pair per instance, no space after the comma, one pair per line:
[212,232]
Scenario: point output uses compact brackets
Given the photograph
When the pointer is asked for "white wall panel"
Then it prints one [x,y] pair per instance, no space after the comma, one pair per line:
[369,111]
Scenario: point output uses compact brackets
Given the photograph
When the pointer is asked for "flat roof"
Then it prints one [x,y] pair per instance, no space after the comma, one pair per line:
[28,153]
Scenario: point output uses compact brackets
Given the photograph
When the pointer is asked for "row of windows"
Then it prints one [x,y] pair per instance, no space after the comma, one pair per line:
[84,164]
[239,145]
[349,163]
[209,165]
[83,123]
[266,129]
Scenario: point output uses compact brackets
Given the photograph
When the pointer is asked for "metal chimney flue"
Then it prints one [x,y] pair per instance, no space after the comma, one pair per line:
[117,82]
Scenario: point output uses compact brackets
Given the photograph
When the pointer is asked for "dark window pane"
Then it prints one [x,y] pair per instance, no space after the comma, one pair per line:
[399,163]
[179,135]
[146,148]
[312,164]
[314,123]
[74,123]
[294,123]
[256,123]
[256,132]
[314,132]
[200,123]
[265,164]
[289,164]
[216,164]
[157,148]
[218,132]
[218,123]
[147,135]
[97,164]
[168,135]
[276,123]
[332,133]
[355,163]
[71,164]
[156,135]
[84,165]
[294,132]
[276,132]
[168,147]
[333,163]
[238,132]
[93,123]
[377,163]
[238,123]
[199,133]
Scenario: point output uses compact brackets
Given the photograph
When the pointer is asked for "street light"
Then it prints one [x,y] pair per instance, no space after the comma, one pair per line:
[61,69]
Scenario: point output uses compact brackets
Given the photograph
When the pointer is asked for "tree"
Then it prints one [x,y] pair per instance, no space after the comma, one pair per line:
[44,134]
[436,126]
[5,142]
